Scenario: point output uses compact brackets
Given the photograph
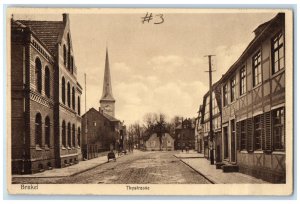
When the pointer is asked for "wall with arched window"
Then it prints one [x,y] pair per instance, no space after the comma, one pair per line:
[63,90]
[69,51]
[65,55]
[38,130]
[69,134]
[73,98]
[73,135]
[47,81]
[72,64]
[47,131]
[69,94]
[63,133]
[78,136]
[78,105]
[38,75]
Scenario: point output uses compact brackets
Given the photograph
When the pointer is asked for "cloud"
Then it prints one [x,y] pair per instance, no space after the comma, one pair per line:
[227,56]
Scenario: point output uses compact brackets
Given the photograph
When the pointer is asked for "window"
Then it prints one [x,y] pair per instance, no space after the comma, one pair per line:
[72,64]
[38,75]
[73,135]
[257,133]
[38,130]
[78,137]
[278,129]
[47,81]
[63,134]
[232,89]
[215,108]
[243,135]
[243,81]
[256,64]
[69,52]
[65,55]
[47,131]
[277,53]
[73,98]
[69,94]
[225,95]
[69,135]
[63,90]
[78,105]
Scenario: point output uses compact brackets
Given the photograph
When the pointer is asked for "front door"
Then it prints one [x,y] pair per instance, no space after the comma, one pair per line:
[226,151]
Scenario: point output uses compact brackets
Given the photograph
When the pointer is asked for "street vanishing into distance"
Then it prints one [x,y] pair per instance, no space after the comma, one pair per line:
[152,167]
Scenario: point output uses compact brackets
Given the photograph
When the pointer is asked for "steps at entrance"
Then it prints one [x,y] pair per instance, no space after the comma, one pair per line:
[219,165]
[230,168]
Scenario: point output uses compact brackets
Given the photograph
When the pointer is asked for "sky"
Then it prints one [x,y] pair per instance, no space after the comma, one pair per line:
[155,68]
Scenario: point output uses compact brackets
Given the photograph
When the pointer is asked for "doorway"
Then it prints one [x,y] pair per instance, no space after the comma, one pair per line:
[233,152]
[226,152]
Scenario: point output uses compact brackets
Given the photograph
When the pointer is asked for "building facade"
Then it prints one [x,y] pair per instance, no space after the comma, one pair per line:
[154,143]
[199,143]
[101,130]
[253,105]
[216,145]
[185,135]
[45,96]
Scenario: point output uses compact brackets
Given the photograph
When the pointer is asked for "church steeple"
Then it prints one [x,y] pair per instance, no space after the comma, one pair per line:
[107,88]
[107,100]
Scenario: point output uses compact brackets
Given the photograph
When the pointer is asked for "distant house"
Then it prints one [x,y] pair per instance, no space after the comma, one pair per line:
[185,135]
[154,144]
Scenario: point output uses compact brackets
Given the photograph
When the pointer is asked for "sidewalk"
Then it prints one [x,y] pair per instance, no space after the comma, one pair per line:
[190,154]
[216,176]
[82,166]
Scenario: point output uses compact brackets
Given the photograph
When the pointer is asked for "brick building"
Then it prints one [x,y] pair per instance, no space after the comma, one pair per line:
[253,100]
[101,130]
[185,135]
[45,96]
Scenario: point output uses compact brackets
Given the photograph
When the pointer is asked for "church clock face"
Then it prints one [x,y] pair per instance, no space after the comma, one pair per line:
[107,108]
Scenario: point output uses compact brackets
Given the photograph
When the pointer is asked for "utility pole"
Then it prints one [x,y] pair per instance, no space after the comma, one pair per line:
[86,137]
[211,134]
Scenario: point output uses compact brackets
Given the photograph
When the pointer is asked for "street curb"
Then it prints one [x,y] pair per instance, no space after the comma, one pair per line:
[74,174]
[91,167]
[209,179]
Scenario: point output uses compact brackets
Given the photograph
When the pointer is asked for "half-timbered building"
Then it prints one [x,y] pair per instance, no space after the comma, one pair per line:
[216,145]
[253,105]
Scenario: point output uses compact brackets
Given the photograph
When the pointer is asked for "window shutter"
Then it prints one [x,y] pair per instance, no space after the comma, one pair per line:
[263,132]
[250,134]
[238,135]
[267,126]
[284,124]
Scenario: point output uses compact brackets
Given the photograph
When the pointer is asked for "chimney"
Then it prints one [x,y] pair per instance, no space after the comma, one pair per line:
[65,18]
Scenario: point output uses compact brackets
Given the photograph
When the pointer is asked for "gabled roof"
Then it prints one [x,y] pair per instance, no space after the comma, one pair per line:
[108,117]
[48,32]
[261,32]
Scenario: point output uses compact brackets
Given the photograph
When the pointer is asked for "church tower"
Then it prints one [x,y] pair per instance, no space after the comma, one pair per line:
[107,101]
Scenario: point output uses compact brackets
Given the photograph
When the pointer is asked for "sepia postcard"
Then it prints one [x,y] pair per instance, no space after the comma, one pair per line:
[147,101]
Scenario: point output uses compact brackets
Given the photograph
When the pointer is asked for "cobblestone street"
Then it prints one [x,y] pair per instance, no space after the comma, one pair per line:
[139,168]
